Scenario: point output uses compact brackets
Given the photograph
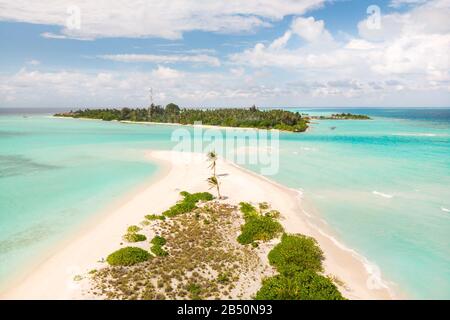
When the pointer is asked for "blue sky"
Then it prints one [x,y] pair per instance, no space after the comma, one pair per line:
[235,53]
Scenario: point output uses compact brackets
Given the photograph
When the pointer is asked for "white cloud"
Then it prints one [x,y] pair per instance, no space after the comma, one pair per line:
[50,35]
[152,18]
[281,41]
[309,29]
[411,48]
[236,87]
[199,58]
[166,73]
[405,63]
[399,3]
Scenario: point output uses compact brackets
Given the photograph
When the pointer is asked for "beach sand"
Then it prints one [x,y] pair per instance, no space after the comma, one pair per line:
[56,277]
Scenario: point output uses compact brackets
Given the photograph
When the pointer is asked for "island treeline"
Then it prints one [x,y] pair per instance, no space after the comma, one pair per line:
[342,116]
[227,117]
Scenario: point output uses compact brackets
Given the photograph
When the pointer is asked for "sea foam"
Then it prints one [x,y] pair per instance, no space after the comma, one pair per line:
[384,195]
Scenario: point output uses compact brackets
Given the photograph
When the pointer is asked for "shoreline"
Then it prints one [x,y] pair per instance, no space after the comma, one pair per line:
[54,278]
[179,124]
[72,235]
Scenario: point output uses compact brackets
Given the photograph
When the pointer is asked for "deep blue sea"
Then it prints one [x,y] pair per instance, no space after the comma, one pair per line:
[381,186]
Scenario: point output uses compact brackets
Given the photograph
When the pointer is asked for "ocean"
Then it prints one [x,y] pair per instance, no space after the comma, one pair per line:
[380,186]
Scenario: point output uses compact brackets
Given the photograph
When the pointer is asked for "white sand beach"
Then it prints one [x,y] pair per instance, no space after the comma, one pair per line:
[54,278]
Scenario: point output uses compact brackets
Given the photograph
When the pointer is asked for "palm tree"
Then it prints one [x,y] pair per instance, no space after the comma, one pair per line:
[214,183]
[212,158]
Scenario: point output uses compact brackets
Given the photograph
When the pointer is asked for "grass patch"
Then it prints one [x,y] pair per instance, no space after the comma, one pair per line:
[194,291]
[128,256]
[160,241]
[157,250]
[133,229]
[305,285]
[296,253]
[155,217]
[246,208]
[223,277]
[205,256]
[134,237]
[257,226]
[188,203]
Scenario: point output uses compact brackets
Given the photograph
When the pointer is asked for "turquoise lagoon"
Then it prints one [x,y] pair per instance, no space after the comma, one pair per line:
[381,186]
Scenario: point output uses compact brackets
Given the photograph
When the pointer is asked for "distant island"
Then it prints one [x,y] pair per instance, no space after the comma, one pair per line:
[226,117]
[342,116]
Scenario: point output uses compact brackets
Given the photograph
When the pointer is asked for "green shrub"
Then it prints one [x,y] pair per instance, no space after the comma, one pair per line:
[128,256]
[296,253]
[157,240]
[194,290]
[263,206]
[247,209]
[157,250]
[306,285]
[134,237]
[223,277]
[133,229]
[258,227]
[275,214]
[155,217]
[188,203]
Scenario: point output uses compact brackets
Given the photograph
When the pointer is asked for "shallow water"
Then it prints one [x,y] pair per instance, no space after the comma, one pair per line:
[381,185]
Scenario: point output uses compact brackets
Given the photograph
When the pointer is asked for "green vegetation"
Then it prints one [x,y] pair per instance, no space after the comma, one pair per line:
[227,117]
[349,116]
[342,116]
[134,237]
[212,159]
[160,241]
[223,277]
[275,214]
[157,250]
[155,217]
[188,203]
[133,229]
[128,256]
[305,285]
[214,183]
[257,226]
[246,208]
[205,261]
[296,253]
[194,291]
[298,259]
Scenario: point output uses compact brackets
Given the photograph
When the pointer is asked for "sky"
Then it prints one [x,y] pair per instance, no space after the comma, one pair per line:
[228,53]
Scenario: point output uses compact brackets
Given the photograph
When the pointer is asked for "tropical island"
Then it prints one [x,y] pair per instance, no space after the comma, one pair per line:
[246,240]
[172,113]
[342,116]
[194,254]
